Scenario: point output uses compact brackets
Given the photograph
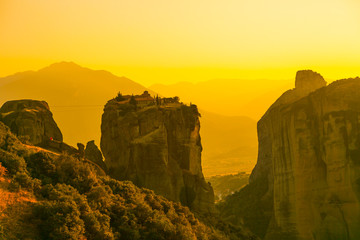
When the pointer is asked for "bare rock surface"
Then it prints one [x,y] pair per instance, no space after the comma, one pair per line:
[93,153]
[30,118]
[309,150]
[158,148]
[306,183]
[309,81]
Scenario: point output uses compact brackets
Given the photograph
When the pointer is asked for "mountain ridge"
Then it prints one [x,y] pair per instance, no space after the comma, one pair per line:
[68,87]
[209,95]
[82,97]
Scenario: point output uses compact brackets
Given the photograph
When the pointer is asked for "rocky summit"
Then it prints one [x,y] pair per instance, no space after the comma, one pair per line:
[308,81]
[30,118]
[311,149]
[306,184]
[157,146]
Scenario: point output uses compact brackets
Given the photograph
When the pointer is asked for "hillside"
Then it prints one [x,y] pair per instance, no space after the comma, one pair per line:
[225,185]
[68,200]
[70,90]
[12,205]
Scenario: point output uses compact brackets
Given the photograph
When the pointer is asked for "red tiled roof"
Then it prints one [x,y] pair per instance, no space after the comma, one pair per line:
[139,99]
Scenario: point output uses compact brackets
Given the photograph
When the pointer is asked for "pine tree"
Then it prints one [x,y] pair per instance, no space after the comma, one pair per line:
[119,97]
[133,101]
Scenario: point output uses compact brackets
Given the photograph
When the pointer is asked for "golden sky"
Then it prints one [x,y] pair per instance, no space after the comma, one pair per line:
[166,41]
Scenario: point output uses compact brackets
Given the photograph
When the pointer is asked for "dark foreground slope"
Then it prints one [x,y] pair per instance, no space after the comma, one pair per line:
[306,181]
[66,199]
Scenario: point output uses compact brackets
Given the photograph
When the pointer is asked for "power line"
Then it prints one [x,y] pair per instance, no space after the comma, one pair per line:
[76,105]
[68,108]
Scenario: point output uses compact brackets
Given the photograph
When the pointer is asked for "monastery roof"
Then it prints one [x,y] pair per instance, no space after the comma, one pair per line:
[141,98]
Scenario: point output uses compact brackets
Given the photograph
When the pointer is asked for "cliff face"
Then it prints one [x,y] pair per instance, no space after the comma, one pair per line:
[30,118]
[309,153]
[157,148]
[93,154]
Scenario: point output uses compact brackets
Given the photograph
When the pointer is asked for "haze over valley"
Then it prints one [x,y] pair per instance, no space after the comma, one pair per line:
[179,120]
[76,96]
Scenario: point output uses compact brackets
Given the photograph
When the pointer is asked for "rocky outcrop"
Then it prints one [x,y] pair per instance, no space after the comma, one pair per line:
[308,81]
[307,179]
[93,154]
[157,147]
[314,144]
[33,119]
[30,118]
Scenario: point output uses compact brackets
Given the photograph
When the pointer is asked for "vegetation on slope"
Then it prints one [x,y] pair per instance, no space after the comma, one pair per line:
[73,202]
[225,185]
[250,207]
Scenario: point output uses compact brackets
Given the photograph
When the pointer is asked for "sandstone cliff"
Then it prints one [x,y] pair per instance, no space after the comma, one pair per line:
[93,153]
[30,118]
[157,148]
[307,179]
[33,123]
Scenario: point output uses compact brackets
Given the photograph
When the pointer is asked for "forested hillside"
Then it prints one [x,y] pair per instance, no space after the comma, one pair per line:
[64,198]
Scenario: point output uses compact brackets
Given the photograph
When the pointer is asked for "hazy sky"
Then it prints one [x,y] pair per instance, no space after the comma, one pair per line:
[165,41]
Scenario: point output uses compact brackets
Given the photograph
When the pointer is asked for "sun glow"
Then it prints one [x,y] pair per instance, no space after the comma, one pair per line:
[169,41]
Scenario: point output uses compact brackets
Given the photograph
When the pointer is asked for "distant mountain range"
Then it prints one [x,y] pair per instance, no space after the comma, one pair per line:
[231,97]
[77,95]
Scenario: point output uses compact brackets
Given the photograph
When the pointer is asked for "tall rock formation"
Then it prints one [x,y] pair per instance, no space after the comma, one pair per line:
[157,147]
[93,153]
[307,179]
[30,118]
[307,81]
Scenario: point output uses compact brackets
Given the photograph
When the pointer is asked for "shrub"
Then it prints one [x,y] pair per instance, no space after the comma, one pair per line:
[59,220]
[12,162]
[42,166]
[22,180]
[100,197]
[59,216]
[25,139]
[73,202]
[119,97]
[95,225]
[133,101]
[76,173]
[3,171]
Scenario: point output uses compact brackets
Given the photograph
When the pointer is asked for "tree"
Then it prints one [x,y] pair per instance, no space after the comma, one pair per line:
[133,101]
[2,171]
[119,97]
[157,100]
